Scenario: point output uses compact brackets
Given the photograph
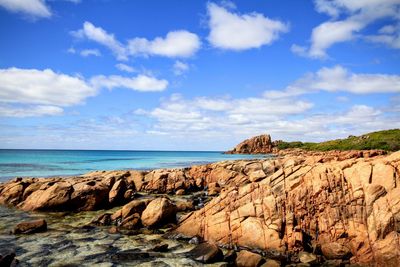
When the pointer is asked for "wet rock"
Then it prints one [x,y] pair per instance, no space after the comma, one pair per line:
[8,259]
[30,227]
[230,256]
[131,222]
[102,219]
[180,192]
[113,230]
[195,240]
[206,253]
[158,212]
[130,255]
[160,248]
[248,259]
[306,257]
[335,250]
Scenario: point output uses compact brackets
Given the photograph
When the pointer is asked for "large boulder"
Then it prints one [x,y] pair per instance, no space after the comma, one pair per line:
[248,259]
[158,212]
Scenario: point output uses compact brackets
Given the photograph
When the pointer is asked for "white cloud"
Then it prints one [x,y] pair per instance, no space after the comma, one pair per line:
[34,8]
[175,44]
[179,43]
[90,52]
[234,31]
[31,92]
[124,67]
[142,83]
[44,87]
[30,111]
[357,15]
[180,67]
[388,35]
[99,35]
[338,78]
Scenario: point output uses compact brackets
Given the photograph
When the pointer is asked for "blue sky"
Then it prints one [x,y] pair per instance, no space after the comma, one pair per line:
[195,75]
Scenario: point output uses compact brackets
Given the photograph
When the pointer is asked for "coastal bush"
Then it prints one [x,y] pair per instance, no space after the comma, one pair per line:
[388,140]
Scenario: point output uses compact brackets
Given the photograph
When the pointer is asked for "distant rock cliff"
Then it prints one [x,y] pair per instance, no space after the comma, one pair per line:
[256,145]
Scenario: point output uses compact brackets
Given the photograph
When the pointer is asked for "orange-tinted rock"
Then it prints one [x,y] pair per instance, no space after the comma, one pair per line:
[248,259]
[206,253]
[30,227]
[158,212]
[261,144]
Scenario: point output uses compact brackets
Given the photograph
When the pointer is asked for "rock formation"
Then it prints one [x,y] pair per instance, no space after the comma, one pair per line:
[347,209]
[261,144]
[338,205]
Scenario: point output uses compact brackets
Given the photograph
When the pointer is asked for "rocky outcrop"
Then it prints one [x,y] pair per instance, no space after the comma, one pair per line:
[347,209]
[261,144]
[340,205]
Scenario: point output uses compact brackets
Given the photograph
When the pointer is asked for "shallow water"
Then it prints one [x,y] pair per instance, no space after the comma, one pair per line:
[45,163]
[68,242]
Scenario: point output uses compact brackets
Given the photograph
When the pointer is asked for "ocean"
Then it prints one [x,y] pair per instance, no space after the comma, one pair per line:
[44,163]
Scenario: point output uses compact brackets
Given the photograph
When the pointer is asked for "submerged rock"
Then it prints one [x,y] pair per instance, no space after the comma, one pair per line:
[30,227]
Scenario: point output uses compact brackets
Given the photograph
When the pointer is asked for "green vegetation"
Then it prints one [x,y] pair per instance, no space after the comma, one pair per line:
[386,140]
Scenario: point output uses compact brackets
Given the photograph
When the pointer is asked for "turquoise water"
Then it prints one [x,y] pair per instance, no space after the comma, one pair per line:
[72,162]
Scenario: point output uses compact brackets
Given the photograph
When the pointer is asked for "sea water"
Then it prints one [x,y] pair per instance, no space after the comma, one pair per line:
[44,163]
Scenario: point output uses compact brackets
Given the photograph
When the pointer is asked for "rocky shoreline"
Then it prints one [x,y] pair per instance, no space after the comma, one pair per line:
[298,209]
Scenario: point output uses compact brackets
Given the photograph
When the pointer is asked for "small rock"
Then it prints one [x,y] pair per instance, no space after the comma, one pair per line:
[306,257]
[271,263]
[248,259]
[30,227]
[206,253]
[180,192]
[195,240]
[158,212]
[160,248]
[184,205]
[113,230]
[102,219]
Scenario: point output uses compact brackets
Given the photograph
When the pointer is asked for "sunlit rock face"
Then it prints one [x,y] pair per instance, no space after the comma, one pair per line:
[345,208]
[261,144]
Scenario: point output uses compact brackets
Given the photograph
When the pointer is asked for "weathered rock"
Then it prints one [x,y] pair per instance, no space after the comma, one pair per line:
[340,203]
[248,259]
[256,145]
[180,192]
[158,212]
[131,222]
[116,194]
[102,219]
[271,263]
[135,206]
[334,250]
[206,253]
[213,189]
[160,248]
[30,227]
[306,257]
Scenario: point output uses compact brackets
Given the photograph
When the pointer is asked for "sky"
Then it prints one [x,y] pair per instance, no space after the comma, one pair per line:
[195,75]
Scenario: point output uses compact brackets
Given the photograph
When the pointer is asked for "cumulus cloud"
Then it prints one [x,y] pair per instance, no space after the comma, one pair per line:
[34,8]
[174,44]
[47,87]
[180,67]
[99,35]
[347,20]
[32,92]
[255,29]
[142,83]
[179,43]
[388,35]
[124,67]
[338,78]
